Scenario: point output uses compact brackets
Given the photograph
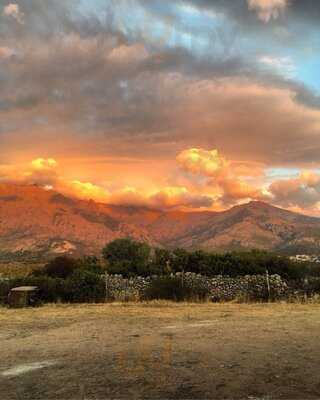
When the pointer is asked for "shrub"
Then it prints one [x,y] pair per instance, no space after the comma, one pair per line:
[312,286]
[85,287]
[60,267]
[166,288]
[4,290]
[82,287]
[127,257]
[161,262]
[92,264]
[231,264]
[173,288]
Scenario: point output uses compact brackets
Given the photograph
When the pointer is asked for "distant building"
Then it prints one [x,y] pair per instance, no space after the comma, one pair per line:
[306,258]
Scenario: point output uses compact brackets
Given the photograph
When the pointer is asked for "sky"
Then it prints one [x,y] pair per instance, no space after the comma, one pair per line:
[169,104]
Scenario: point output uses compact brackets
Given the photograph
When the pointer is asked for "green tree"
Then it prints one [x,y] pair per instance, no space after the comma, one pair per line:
[161,261]
[92,264]
[127,257]
[180,260]
[85,287]
[60,267]
[199,262]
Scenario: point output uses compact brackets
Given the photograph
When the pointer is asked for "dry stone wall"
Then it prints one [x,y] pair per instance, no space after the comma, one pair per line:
[219,288]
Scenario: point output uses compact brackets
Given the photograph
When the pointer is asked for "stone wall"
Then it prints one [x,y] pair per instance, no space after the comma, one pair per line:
[219,288]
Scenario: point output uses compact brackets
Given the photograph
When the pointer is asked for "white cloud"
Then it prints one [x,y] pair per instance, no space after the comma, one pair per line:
[282,65]
[268,9]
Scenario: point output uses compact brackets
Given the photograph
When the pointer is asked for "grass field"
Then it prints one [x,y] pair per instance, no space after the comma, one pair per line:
[161,351]
[16,269]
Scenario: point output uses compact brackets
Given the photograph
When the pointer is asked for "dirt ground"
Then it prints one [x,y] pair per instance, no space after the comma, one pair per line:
[161,351]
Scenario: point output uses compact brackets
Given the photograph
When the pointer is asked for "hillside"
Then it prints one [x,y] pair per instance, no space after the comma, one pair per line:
[45,222]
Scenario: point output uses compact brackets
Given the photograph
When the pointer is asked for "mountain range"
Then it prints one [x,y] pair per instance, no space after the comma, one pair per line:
[45,222]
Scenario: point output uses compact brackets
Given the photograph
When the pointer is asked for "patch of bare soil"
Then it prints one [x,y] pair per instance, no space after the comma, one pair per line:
[161,351]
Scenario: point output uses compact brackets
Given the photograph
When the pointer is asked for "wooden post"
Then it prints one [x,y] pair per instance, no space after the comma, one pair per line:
[268,284]
[107,288]
[168,268]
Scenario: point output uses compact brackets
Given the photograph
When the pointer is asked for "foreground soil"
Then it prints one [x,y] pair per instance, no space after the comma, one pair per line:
[161,351]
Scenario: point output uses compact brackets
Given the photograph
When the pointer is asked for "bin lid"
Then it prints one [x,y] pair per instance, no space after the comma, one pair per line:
[24,289]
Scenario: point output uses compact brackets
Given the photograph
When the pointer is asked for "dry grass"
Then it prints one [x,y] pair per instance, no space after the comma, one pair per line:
[16,269]
[161,350]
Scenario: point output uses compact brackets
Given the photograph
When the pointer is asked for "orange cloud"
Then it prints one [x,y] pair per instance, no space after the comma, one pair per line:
[248,169]
[44,164]
[165,198]
[128,196]
[223,185]
[268,9]
[86,190]
[225,175]
[46,172]
[236,189]
[6,53]
[206,179]
[42,172]
[13,10]
[128,53]
[177,197]
[203,162]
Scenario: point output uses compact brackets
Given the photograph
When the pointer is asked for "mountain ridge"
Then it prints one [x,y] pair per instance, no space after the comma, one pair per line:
[44,221]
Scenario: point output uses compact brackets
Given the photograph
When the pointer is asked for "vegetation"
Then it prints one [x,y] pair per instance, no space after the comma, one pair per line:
[130,258]
[60,267]
[81,280]
[127,257]
[64,279]
[85,286]
[172,288]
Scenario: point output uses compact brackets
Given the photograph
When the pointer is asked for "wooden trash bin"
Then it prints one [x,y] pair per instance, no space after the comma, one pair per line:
[23,296]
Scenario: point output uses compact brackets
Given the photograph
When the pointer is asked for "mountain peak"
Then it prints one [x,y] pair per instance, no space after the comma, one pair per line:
[256,205]
[41,221]
[260,204]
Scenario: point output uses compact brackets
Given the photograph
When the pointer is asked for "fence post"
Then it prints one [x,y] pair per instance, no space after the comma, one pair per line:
[268,284]
[106,282]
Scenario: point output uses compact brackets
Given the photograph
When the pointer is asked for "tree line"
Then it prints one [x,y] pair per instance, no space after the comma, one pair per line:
[130,258]
[69,279]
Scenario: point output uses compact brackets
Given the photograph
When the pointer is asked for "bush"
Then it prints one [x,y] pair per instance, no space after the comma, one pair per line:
[232,264]
[81,287]
[312,286]
[92,264]
[4,290]
[127,257]
[86,287]
[60,267]
[166,288]
[173,288]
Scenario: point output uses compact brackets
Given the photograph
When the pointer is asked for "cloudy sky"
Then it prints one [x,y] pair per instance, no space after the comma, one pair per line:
[193,104]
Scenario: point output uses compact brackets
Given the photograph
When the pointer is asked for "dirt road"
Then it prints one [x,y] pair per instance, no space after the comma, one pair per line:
[161,351]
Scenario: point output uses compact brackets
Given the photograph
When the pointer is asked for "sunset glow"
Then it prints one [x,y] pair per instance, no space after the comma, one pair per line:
[193,105]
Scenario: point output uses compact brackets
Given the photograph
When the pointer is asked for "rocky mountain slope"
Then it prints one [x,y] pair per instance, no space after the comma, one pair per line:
[46,222]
